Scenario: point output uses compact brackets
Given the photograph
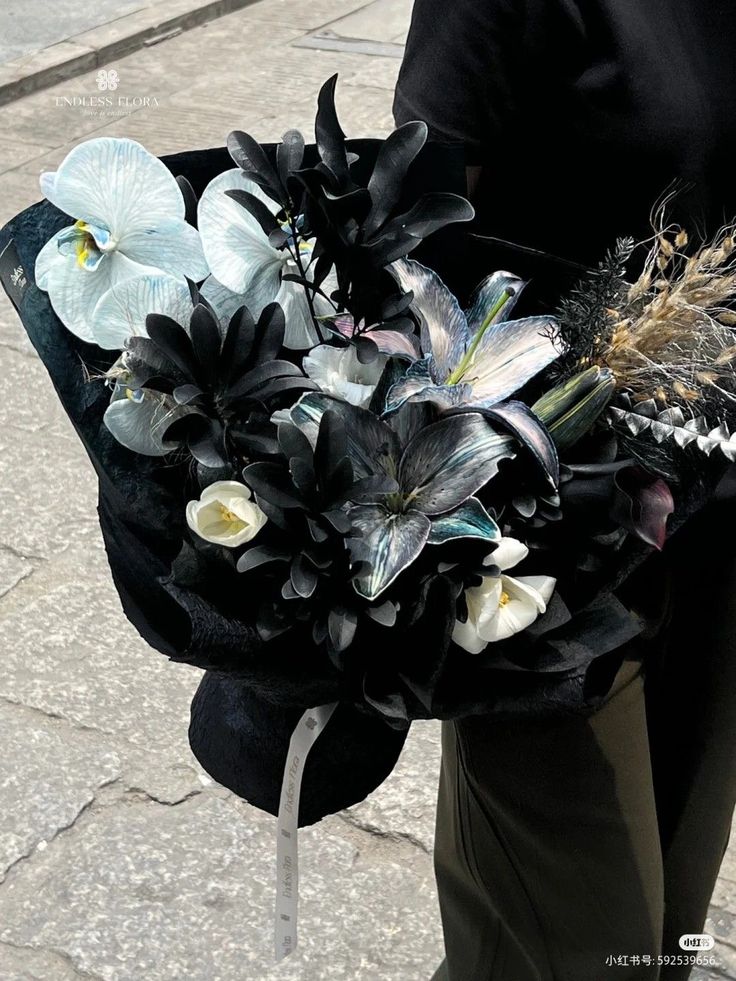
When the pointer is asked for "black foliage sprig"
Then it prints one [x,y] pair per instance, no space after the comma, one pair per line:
[358,228]
[585,323]
[229,382]
[306,563]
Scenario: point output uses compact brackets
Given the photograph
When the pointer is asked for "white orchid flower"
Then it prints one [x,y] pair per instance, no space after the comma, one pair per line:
[225,514]
[502,606]
[243,260]
[338,371]
[129,215]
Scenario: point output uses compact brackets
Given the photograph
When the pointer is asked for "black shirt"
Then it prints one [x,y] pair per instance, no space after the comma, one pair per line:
[583,113]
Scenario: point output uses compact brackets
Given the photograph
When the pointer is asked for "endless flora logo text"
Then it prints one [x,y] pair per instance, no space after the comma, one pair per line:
[108,80]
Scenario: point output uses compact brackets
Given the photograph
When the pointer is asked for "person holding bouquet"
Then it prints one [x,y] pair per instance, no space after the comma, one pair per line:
[584,849]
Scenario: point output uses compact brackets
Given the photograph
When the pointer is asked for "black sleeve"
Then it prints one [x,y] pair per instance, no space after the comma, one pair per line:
[461,69]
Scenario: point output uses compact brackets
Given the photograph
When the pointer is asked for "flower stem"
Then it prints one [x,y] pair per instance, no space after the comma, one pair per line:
[455,376]
[296,253]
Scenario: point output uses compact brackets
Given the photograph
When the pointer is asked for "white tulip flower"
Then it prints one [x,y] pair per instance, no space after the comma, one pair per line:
[338,371]
[129,215]
[225,514]
[243,260]
[502,606]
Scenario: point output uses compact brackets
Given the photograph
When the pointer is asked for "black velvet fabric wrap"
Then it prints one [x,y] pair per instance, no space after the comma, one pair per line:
[253,693]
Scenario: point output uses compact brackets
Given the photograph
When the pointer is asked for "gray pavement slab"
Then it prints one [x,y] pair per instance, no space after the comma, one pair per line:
[121,858]
[36,24]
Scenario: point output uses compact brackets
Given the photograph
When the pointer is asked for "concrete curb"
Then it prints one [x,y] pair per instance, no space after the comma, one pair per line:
[100,46]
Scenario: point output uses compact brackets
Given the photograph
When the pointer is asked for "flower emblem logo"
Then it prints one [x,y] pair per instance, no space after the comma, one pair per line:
[107,79]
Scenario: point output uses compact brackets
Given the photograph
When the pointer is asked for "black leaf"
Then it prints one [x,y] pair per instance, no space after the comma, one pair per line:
[173,342]
[260,211]
[341,625]
[394,158]
[331,448]
[261,555]
[271,482]
[329,135]
[250,156]
[206,340]
[190,200]
[304,579]
[289,154]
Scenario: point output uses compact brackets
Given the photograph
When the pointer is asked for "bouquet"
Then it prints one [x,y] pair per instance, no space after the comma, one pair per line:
[327,479]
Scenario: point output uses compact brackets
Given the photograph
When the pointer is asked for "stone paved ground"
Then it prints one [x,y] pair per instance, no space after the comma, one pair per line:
[119,859]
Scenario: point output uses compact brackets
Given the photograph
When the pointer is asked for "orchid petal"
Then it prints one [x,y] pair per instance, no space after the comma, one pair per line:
[49,256]
[444,329]
[47,182]
[171,245]
[137,425]
[509,355]
[235,246]
[121,312]
[300,330]
[222,300]
[115,184]
[338,371]
[74,291]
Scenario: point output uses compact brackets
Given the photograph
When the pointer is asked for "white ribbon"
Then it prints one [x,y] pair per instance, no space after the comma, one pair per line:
[302,739]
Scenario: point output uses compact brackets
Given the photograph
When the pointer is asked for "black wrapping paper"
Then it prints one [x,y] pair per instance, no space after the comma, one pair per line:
[252,693]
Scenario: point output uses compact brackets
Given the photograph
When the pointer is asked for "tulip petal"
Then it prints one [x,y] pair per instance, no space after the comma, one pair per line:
[465,635]
[543,585]
[115,184]
[236,248]
[170,245]
[121,312]
[444,329]
[521,608]
[508,553]
[74,291]
[509,355]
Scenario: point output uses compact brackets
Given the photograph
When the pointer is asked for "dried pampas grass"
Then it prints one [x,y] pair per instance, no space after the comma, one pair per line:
[671,336]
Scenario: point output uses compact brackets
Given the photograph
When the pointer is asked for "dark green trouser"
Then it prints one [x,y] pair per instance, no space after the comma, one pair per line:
[559,843]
